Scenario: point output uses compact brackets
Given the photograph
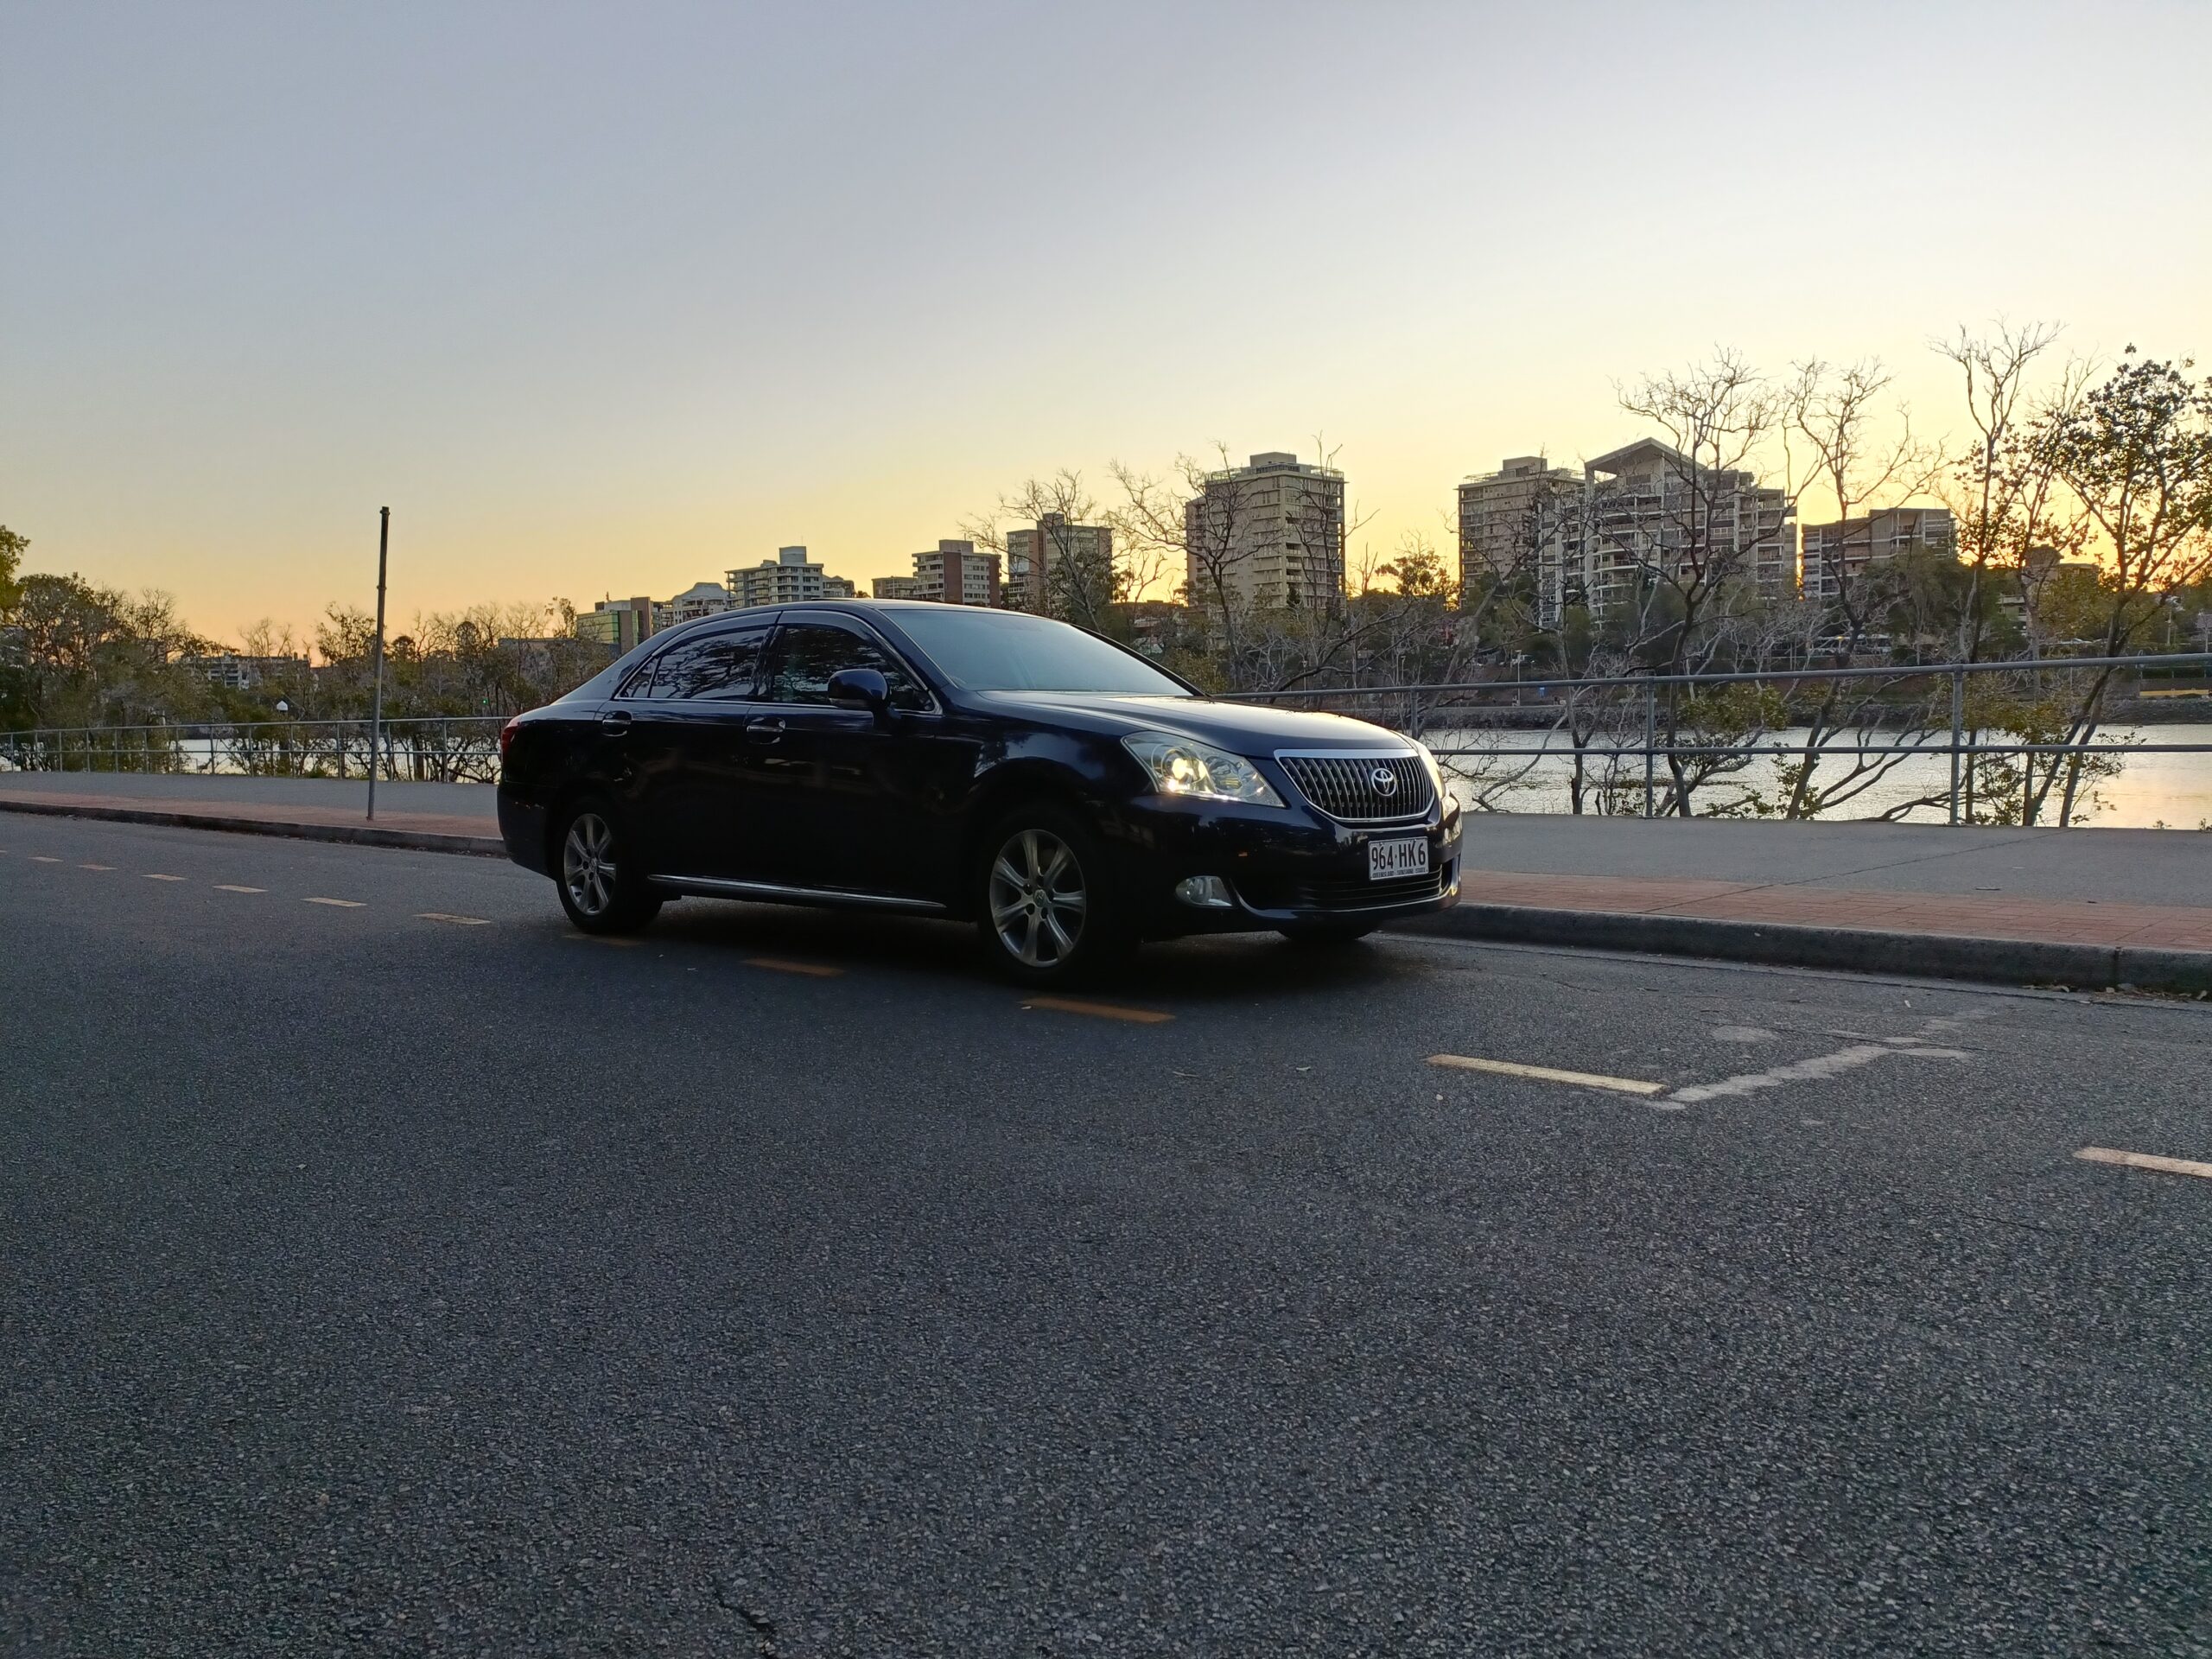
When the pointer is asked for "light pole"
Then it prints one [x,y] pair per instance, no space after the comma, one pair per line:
[376,659]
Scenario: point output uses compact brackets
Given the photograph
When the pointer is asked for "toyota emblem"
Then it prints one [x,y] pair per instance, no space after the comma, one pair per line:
[1384,780]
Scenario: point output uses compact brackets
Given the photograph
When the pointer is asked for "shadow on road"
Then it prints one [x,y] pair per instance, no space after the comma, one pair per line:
[1222,968]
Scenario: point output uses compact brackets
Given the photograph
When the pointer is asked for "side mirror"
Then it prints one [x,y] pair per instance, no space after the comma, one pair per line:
[860,688]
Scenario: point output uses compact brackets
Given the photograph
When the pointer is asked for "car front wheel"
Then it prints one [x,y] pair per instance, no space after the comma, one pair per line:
[602,884]
[1046,911]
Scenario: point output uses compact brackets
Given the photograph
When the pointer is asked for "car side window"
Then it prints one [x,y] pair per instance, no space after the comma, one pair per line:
[723,664]
[808,653]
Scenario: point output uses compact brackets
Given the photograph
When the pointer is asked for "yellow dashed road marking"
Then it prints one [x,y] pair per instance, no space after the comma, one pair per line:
[224,887]
[778,965]
[1100,1010]
[2146,1160]
[1548,1074]
[458,921]
[339,904]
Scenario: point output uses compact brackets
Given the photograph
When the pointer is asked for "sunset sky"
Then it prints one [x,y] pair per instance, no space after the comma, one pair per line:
[604,299]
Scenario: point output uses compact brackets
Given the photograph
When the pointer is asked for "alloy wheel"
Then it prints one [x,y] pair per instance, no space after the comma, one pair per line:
[1037,898]
[588,864]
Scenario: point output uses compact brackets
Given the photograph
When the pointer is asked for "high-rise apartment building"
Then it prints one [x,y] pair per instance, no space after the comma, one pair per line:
[896,587]
[1643,510]
[1837,556]
[956,574]
[1036,551]
[1269,533]
[1519,519]
[785,580]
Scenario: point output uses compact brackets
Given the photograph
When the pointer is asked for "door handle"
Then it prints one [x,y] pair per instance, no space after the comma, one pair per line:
[614,722]
[764,731]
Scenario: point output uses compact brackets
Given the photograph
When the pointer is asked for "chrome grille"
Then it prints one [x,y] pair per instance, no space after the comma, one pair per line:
[1345,787]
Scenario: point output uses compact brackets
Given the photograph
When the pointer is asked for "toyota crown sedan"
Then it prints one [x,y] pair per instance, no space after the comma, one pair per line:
[1065,794]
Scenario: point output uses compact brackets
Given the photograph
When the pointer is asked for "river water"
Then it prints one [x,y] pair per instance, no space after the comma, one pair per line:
[2151,791]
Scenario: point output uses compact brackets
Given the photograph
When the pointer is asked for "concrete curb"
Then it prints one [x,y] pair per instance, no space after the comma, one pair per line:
[1923,955]
[357,834]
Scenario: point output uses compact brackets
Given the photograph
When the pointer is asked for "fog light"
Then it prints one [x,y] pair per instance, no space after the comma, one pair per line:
[1204,893]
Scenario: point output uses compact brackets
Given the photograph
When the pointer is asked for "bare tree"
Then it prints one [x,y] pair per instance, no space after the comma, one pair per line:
[1693,540]
[2001,491]
[1082,560]
[1836,414]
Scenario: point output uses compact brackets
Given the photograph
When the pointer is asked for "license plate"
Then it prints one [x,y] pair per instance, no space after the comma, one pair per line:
[1388,860]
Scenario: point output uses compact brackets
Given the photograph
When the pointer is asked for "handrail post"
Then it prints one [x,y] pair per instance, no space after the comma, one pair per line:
[1651,739]
[1958,733]
[376,659]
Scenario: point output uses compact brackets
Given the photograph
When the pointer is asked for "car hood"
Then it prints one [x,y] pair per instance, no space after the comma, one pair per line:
[1243,728]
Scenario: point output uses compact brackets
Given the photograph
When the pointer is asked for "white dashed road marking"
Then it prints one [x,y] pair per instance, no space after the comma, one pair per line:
[338,904]
[458,921]
[224,887]
[40,858]
[164,878]
[2145,1160]
[1821,1067]
[96,866]
[1548,1074]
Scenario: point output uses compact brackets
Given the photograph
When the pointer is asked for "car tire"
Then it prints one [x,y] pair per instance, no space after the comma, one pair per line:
[1045,901]
[1330,936]
[601,882]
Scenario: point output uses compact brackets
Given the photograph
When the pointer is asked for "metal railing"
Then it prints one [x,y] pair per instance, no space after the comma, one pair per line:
[1656,719]
[1647,743]
[457,749]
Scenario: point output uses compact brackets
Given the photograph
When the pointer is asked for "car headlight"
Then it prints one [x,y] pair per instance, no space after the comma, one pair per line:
[1435,771]
[1178,767]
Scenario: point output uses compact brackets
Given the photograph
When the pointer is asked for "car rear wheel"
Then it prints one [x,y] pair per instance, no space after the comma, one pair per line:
[1046,909]
[602,885]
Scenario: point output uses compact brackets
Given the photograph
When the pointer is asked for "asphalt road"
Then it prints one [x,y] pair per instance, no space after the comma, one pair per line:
[372,1282]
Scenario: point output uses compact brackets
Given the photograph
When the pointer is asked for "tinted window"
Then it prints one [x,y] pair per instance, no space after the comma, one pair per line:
[808,653]
[1001,650]
[723,664]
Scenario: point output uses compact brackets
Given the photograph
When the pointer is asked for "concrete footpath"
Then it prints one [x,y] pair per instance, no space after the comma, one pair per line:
[2082,908]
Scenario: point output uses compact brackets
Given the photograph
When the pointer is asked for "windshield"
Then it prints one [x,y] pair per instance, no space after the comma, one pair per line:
[1003,651]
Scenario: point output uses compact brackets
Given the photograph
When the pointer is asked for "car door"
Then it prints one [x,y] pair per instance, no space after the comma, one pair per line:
[837,788]
[686,734]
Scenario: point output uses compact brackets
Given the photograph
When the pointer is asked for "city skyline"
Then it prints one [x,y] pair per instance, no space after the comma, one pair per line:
[283,269]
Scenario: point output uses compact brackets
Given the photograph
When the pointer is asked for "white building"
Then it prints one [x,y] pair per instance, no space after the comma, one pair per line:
[1266,534]
[1647,509]
[785,580]
[234,672]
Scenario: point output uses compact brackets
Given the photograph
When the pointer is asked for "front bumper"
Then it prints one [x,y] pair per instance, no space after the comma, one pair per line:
[1285,868]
